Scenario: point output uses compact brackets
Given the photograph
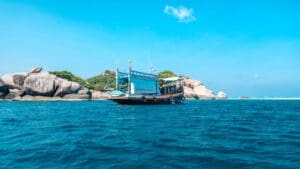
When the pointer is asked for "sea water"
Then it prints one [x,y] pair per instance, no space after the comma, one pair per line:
[197,134]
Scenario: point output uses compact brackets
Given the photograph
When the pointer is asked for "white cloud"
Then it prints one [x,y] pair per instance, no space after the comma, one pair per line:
[182,13]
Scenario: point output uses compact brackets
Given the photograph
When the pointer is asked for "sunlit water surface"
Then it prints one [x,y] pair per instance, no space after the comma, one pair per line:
[197,134]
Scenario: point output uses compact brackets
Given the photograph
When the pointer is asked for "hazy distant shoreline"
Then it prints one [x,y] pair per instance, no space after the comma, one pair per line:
[271,98]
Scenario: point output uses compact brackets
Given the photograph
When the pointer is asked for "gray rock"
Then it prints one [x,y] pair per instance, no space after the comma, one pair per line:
[40,84]
[14,90]
[13,93]
[66,87]
[97,95]
[15,80]
[38,98]
[19,79]
[191,83]
[4,90]
[221,95]
[196,89]
[18,98]
[189,92]
[27,98]
[83,91]
[45,98]
[36,70]
[76,97]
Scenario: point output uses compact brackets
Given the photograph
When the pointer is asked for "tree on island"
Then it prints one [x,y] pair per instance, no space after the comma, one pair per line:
[105,80]
[69,76]
[166,74]
[99,82]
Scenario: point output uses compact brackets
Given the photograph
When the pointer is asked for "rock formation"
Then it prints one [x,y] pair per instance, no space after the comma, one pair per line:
[97,95]
[4,90]
[37,85]
[40,84]
[37,98]
[36,70]
[221,95]
[27,98]
[196,89]
[15,80]
[77,97]
[66,87]
[13,93]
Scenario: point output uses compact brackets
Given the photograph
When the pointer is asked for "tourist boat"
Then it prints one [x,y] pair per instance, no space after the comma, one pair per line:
[137,87]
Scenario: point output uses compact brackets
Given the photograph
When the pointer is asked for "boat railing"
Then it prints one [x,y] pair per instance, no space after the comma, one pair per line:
[143,75]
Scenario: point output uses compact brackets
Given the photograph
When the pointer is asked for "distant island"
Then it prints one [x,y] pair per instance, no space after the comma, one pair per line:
[39,85]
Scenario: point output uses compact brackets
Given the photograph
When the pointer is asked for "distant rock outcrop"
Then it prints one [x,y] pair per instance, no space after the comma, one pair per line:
[13,93]
[15,80]
[221,95]
[196,89]
[37,98]
[66,87]
[36,70]
[27,98]
[97,95]
[77,97]
[4,90]
[40,84]
[83,91]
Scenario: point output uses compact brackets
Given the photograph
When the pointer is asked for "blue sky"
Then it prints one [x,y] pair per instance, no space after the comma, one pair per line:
[246,47]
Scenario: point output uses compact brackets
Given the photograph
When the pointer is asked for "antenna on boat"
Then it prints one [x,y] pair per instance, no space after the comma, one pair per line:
[117,65]
[129,64]
[152,70]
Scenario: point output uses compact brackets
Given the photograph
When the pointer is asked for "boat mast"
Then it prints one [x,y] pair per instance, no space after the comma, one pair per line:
[117,75]
[129,77]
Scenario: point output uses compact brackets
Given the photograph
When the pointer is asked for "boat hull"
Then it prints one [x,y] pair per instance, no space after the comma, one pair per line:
[159,99]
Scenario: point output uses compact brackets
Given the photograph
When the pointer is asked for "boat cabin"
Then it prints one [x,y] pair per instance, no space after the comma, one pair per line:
[171,85]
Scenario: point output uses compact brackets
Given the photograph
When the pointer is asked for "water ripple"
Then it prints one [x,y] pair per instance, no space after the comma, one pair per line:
[197,134]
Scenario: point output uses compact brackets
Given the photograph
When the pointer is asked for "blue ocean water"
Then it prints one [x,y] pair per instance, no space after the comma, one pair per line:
[197,134]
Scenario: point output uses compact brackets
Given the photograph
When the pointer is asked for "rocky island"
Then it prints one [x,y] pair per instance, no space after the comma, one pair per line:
[39,85]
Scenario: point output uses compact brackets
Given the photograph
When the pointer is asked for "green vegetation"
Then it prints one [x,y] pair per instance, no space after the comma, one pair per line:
[106,80]
[166,74]
[69,76]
